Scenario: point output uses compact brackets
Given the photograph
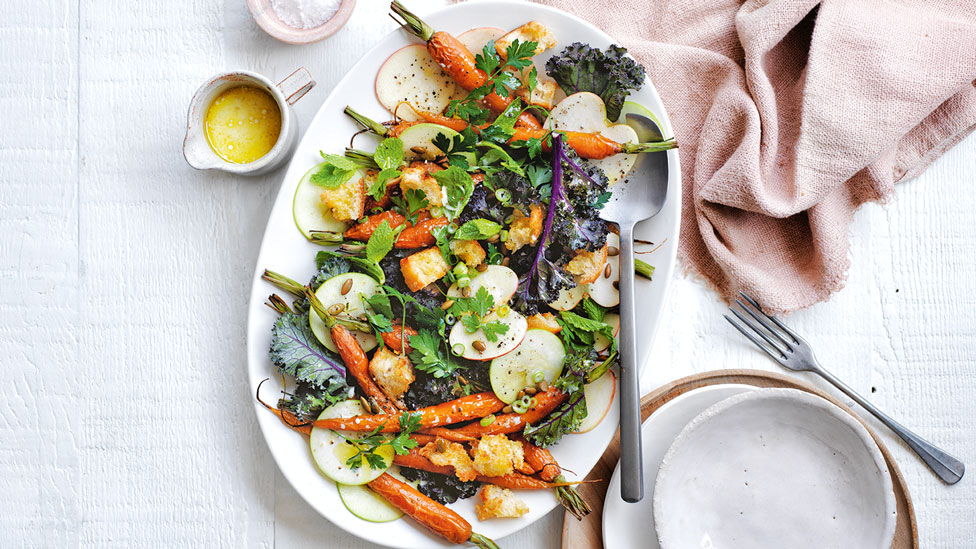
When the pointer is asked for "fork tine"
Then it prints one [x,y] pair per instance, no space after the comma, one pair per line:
[765,324]
[752,338]
[758,332]
[796,338]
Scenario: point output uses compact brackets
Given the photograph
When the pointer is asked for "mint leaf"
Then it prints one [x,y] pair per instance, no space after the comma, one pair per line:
[389,153]
[458,187]
[333,172]
[380,242]
[477,229]
[377,189]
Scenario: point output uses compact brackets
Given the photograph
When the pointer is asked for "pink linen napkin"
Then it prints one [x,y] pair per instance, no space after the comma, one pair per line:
[790,114]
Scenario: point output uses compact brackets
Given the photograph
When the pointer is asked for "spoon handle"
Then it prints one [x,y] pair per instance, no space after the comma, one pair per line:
[631,463]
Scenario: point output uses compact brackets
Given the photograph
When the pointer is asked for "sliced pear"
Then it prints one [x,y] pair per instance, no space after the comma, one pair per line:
[500,282]
[466,344]
[410,75]
[586,112]
[602,290]
[540,351]
[330,451]
[330,293]
[307,209]
[599,398]
[367,504]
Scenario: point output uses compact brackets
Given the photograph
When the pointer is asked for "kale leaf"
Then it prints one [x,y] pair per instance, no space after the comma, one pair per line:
[570,414]
[572,223]
[296,352]
[307,400]
[608,73]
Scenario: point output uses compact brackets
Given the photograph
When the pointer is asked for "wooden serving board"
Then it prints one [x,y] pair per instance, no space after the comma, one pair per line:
[588,533]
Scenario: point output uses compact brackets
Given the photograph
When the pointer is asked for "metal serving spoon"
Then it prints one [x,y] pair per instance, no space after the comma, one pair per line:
[641,196]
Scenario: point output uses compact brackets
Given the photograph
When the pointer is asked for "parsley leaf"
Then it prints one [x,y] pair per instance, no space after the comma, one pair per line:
[458,187]
[333,172]
[367,445]
[428,356]
[500,81]
[455,146]
[477,229]
[472,311]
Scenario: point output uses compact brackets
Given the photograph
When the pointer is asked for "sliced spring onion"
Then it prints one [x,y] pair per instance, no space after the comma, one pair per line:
[463,282]
[504,310]
[487,420]
[458,349]
[538,376]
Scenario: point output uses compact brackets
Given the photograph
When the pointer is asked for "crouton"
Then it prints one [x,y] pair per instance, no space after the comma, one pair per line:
[496,455]
[469,251]
[418,176]
[524,230]
[392,372]
[497,502]
[451,454]
[544,321]
[533,31]
[542,95]
[347,202]
[587,266]
[422,268]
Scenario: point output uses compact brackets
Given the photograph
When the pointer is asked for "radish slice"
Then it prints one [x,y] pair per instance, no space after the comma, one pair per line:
[569,298]
[602,290]
[586,112]
[476,39]
[500,282]
[599,397]
[411,75]
[465,343]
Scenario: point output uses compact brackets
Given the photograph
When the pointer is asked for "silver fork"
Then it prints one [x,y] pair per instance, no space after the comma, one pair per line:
[792,352]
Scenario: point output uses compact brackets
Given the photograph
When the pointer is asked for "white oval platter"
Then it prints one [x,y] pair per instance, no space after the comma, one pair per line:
[285,250]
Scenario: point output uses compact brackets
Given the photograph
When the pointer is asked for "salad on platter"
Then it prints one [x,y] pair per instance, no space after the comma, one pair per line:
[462,317]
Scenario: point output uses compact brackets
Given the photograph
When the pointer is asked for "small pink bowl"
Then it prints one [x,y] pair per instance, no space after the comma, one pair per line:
[266,18]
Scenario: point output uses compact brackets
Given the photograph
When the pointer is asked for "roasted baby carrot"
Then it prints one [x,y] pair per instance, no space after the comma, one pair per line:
[398,339]
[420,235]
[455,411]
[364,230]
[358,365]
[432,515]
[541,461]
[449,434]
[512,423]
[594,145]
[458,62]
[514,481]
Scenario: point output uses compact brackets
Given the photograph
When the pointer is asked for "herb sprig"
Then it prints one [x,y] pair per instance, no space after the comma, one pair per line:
[367,446]
[500,81]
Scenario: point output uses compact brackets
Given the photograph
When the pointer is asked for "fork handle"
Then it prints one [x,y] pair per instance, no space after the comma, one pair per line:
[946,467]
[631,462]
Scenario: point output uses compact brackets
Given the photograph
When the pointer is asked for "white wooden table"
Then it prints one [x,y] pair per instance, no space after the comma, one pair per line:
[125,417]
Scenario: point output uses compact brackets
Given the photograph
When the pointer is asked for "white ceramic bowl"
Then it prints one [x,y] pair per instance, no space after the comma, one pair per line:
[774,468]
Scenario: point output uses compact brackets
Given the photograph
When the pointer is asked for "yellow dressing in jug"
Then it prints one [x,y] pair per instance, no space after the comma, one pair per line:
[243,124]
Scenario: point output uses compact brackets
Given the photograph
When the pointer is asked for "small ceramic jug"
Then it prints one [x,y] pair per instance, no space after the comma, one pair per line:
[196,148]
